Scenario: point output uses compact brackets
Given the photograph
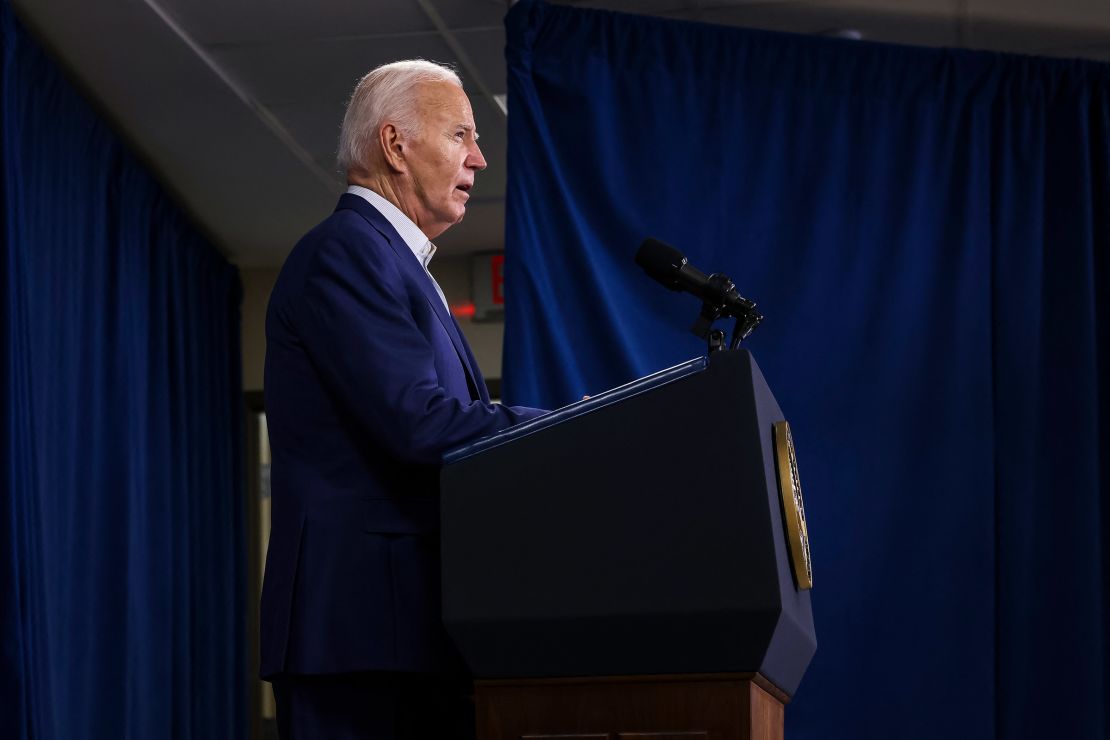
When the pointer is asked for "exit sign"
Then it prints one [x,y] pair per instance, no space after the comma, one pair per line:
[487,278]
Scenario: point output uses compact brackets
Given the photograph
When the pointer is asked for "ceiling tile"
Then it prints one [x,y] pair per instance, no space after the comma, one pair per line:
[101,49]
[811,18]
[218,22]
[1077,14]
[315,127]
[321,73]
[486,49]
[471,13]
[1026,38]
[643,7]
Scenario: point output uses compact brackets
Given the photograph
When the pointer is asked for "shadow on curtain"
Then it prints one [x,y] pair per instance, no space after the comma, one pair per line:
[121,510]
[927,232]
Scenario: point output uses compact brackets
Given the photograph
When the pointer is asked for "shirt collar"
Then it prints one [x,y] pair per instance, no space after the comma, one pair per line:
[413,237]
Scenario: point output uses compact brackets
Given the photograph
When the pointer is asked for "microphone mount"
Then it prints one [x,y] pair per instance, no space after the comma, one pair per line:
[719,296]
[720,299]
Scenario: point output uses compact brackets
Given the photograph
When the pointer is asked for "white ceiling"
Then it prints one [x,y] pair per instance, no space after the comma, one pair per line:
[235,104]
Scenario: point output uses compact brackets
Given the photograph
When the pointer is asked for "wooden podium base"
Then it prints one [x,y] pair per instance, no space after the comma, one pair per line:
[716,706]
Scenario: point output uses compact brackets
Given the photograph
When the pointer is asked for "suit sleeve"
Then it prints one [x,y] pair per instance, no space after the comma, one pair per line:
[357,328]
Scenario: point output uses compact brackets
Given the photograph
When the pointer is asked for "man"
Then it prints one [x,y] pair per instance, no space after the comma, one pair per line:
[368,382]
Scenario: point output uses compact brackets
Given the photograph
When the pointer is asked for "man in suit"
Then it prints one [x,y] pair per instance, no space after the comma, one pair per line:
[368,382]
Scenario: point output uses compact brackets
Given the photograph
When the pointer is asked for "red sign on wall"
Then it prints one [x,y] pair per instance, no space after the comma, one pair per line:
[497,278]
[487,275]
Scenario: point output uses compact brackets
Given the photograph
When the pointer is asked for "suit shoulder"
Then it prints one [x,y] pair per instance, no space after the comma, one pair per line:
[343,243]
[344,236]
[344,229]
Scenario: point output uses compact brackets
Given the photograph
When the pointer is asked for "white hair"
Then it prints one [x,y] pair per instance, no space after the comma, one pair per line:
[387,93]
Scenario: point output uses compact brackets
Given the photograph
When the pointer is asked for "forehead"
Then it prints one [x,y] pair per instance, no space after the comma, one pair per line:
[443,102]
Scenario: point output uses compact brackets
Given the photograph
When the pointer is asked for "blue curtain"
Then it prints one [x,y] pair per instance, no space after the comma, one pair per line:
[928,234]
[121,514]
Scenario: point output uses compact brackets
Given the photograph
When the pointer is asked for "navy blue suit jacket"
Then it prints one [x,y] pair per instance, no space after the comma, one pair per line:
[368,382]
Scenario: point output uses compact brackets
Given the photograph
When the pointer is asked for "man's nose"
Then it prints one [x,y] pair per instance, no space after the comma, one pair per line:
[475,160]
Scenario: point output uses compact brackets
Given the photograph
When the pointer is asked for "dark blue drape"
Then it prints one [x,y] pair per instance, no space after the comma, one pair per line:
[927,232]
[121,571]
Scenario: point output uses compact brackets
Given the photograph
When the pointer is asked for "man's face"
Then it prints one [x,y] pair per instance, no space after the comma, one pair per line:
[443,158]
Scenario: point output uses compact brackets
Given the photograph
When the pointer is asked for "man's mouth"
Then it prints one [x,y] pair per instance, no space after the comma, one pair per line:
[465,187]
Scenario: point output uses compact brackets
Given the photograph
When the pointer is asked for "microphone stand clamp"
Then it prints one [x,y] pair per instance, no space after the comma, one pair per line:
[725,302]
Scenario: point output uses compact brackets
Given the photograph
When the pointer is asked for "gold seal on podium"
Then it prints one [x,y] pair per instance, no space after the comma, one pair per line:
[793,509]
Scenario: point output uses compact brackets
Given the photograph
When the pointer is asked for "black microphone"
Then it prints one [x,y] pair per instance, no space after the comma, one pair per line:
[671,268]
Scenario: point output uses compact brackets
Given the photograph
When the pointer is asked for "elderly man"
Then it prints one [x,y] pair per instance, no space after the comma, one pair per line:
[368,382]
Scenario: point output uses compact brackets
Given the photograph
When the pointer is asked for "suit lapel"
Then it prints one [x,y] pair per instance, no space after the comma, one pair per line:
[409,263]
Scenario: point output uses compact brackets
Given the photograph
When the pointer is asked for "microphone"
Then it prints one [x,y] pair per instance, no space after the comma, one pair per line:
[671,268]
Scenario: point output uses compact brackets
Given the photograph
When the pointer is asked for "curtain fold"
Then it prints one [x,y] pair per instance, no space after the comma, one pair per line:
[927,232]
[122,507]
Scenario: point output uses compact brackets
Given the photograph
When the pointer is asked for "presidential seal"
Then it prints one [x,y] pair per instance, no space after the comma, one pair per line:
[793,510]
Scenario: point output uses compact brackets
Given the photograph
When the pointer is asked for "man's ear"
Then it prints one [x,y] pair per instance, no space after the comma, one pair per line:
[392,142]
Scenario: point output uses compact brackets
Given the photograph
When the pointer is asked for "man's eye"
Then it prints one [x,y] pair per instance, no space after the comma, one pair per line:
[460,134]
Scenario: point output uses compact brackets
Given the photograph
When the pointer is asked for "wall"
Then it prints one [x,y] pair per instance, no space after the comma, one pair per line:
[257,284]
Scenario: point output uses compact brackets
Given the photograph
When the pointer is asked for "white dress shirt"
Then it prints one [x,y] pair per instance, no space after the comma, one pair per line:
[414,238]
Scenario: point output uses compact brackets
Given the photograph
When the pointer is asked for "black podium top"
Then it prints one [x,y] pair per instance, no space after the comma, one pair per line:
[587,406]
[637,532]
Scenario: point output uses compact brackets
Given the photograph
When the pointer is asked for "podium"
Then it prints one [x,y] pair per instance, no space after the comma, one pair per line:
[622,568]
